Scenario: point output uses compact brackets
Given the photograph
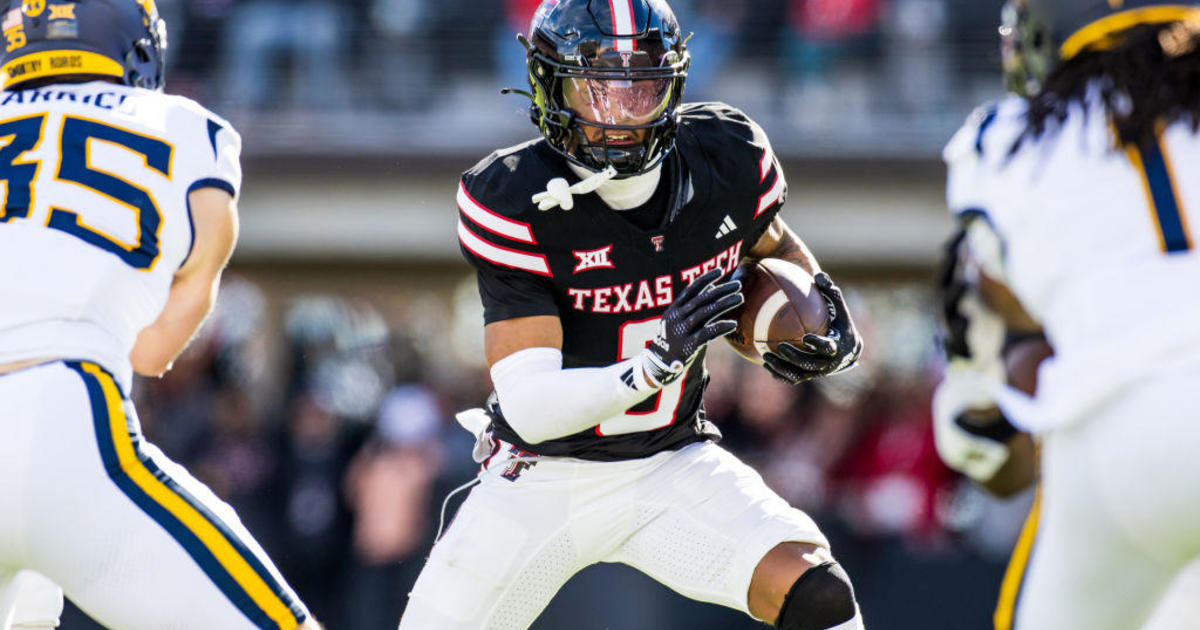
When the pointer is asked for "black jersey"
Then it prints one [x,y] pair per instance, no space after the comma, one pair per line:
[608,280]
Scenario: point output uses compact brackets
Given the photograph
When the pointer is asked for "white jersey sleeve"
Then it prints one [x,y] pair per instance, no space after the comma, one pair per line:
[219,167]
[973,157]
[965,162]
[978,157]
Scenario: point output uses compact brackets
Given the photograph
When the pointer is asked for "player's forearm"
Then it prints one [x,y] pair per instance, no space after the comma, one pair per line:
[194,288]
[154,354]
[160,343]
[542,401]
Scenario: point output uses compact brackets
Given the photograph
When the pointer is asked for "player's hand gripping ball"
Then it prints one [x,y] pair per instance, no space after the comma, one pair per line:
[797,326]
[695,318]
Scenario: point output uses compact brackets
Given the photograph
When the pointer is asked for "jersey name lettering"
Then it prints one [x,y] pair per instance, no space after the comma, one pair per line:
[622,298]
[638,296]
[102,100]
[727,260]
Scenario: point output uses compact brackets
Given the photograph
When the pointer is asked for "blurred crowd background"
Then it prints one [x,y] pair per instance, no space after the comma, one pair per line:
[873,76]
[319,398]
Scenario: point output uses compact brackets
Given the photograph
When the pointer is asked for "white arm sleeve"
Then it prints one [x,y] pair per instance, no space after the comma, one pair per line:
[542,401]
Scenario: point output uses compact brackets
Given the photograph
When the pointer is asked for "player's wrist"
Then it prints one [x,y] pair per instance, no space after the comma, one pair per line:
[655,372]
[988,369]
[970,431]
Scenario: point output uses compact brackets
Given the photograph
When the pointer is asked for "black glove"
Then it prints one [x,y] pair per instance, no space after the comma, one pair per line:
[689,324]
[822,355]
[952,288]
[970,331]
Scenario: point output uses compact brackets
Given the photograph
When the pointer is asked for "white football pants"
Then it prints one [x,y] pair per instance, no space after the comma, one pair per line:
[1119,515]
[130,536]
[697,520]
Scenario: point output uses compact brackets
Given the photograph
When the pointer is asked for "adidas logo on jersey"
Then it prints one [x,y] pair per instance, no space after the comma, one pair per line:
[727,228]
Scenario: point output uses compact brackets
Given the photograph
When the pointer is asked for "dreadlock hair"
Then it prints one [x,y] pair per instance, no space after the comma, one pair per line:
[1150,77]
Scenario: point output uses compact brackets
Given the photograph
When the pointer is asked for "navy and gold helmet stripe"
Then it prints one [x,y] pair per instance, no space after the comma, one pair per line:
[1100,34]
[1018,566]
[218,551]
[1154,166]
[58,62]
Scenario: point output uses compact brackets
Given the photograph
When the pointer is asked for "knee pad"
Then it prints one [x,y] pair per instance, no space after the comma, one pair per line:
[822,599]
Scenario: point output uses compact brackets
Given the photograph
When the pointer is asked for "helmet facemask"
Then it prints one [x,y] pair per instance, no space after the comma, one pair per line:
[619,110]
[145,63]
[617,121]
[1027,48]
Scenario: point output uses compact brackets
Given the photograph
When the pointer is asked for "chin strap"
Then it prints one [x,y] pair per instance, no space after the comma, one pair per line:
[559,193]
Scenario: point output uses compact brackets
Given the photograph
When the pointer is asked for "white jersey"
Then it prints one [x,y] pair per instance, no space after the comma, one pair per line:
[1097,245]
[95,220]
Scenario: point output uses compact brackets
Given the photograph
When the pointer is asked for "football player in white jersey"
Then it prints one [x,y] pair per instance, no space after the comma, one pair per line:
[118,216]
[1074,200]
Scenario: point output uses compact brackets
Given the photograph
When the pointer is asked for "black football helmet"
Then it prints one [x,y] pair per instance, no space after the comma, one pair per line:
[123,39]
[1038,35]
[617,66]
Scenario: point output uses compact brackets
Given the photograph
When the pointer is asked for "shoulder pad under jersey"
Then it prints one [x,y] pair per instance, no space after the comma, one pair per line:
[737,150]
[216,145]
[979,152]
[497,217]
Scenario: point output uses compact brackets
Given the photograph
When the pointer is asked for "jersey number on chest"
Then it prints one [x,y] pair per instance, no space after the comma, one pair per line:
[657,411]
[76,136]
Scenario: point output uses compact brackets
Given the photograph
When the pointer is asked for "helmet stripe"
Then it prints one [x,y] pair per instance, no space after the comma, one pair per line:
[150,7]
[623,24]
[1098,31]
[57,62]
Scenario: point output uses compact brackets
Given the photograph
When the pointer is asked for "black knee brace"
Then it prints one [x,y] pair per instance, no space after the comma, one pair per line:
[821,599]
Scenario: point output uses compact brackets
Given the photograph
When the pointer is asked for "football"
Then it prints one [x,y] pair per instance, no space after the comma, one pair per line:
[782,304]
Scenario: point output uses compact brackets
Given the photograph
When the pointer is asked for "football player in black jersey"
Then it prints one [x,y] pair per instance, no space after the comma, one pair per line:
[601,250]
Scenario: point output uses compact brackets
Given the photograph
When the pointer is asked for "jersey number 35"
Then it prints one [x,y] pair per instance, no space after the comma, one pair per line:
[25,135]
